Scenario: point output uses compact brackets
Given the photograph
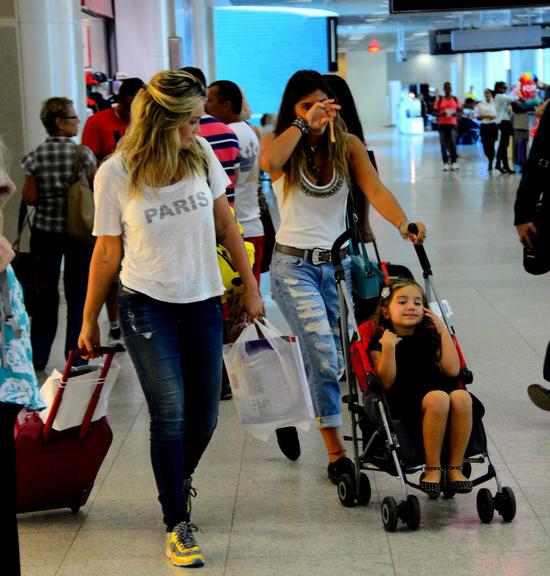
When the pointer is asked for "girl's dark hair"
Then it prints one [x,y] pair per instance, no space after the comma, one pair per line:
[344,97]
[382,323]
[498,86]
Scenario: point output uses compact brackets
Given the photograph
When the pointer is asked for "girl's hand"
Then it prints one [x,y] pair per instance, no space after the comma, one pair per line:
[439,326]
[389,339]
[251,302]
[89,337]
[321,112]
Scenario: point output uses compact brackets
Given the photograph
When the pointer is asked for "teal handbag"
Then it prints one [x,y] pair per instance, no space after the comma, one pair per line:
[366,276]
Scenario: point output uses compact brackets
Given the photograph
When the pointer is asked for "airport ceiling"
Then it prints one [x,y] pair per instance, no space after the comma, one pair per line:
[361,21]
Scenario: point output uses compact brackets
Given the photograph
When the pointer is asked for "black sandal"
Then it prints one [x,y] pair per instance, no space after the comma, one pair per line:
[432,489]
[460,486]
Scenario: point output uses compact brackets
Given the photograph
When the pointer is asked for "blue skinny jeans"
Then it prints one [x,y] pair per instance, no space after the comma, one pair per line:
[176,350]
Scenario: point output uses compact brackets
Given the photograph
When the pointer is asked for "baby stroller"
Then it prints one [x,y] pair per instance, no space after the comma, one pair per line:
[379,442]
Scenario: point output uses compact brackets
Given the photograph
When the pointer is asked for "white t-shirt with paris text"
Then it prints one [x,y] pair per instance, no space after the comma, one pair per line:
[168,234]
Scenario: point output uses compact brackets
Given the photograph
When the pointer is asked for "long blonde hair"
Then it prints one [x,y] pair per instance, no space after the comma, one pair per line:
[151,151]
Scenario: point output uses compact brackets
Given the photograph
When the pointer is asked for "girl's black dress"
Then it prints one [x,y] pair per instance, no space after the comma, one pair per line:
[417,373]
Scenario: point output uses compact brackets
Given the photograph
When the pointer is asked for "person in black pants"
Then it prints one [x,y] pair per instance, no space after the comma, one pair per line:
[18,385]
[486,114]
[50,170]
[504,122]
[8,518]
[534,182]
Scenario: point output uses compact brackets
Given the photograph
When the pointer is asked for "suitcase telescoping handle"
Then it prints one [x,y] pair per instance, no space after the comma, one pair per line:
[108,352]
[421,253]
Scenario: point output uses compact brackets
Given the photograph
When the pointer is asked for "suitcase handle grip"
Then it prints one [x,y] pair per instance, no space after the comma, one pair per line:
[108,352]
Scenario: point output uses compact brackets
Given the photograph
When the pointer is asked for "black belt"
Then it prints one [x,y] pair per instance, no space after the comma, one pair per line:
[315,255]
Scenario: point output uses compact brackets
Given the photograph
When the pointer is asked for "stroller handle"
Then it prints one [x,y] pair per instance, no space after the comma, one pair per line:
[421,252]
[337,247]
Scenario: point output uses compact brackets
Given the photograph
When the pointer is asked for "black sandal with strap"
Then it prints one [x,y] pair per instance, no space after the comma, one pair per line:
[460,486]
[432,489]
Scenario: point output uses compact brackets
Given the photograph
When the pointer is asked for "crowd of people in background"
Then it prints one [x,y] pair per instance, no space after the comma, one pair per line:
[489,119]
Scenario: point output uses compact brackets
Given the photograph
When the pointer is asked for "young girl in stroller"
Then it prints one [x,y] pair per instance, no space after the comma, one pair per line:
[417,362]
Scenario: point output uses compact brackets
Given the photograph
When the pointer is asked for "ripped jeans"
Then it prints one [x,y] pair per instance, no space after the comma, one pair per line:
[176,350]
[307,297]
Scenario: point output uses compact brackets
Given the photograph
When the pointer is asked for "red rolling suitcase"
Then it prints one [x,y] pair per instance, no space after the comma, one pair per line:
[57,469]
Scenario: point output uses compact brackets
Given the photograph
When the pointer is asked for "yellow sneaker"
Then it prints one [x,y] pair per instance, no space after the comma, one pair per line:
[182,548]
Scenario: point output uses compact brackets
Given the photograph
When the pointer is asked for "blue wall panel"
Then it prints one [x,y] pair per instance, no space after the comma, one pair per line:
[260,51]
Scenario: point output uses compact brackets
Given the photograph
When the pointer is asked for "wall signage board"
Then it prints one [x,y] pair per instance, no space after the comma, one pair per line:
[401,6]
[98,7]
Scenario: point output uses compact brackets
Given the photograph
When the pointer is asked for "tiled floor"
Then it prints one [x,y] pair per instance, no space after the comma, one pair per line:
[261,514]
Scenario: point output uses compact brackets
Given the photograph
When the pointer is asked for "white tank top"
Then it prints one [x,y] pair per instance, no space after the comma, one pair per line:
[311,216]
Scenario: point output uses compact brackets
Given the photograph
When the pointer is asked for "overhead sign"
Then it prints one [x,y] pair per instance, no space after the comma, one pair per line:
[400,6]
[99,7]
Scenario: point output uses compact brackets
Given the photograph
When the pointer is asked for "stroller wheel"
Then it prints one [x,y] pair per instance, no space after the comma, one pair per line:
[485,505]
[346,490]
[412,517]
[364,492]
[390,514]
[505,503]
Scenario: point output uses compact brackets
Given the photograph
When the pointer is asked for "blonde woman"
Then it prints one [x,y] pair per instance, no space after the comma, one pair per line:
[160,200]
[310,165]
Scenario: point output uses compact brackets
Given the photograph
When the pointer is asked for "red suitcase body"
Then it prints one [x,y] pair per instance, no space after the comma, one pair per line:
[57,469]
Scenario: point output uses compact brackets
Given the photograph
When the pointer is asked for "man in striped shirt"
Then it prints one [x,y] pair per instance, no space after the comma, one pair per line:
[222,139]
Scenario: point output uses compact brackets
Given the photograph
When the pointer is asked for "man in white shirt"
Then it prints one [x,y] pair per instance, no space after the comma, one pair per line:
[225,102]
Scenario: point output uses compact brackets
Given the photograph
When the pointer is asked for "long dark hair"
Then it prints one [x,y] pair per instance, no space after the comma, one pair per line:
[300,85]
[344,97]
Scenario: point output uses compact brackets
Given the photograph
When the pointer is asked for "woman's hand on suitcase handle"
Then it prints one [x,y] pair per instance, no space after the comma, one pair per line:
[89,337]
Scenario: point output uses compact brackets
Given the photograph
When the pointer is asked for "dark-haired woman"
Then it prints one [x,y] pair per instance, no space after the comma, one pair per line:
[348,113]
[310,158]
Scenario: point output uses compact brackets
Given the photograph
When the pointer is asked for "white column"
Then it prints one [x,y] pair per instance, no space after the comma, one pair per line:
[50,38]
[142,30]
[203,38]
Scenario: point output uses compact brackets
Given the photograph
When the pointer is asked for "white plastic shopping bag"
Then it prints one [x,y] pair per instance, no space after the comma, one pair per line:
[79,389]
[268,380]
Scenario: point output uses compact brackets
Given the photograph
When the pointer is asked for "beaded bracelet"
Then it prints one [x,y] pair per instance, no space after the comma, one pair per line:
[405,233]
[302,124]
